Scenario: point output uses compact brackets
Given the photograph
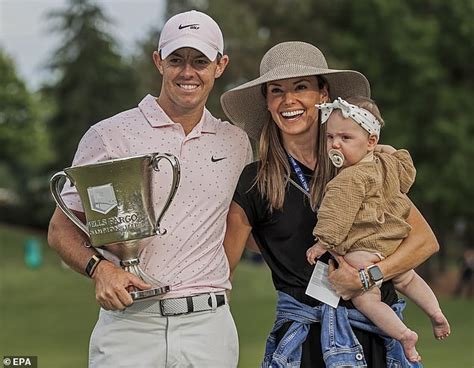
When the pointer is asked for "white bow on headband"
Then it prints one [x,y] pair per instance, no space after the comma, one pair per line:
[361,116]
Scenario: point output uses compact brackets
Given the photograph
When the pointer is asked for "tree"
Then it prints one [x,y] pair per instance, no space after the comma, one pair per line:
[147,75]
[24,150]
[17,116]
[93,81]
[416,57]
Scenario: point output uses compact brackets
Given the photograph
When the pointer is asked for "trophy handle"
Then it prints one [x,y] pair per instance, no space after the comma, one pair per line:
[55,191]
[174,186]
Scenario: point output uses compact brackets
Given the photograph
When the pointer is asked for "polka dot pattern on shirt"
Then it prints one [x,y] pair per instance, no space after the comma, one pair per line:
[190,256]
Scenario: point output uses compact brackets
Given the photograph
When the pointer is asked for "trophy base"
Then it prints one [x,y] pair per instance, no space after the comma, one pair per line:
[133,266]
[144,294]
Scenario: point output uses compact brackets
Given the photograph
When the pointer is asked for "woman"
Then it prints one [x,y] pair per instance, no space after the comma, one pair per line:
[276,196]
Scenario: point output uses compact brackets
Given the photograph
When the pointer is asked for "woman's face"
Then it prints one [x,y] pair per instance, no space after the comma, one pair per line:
[291,104]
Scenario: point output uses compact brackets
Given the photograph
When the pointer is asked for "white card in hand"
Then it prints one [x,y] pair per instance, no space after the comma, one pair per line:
[319,287]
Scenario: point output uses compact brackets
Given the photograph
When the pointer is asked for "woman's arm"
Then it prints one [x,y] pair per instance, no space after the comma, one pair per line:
[252,245]
[236,236]
[420,244]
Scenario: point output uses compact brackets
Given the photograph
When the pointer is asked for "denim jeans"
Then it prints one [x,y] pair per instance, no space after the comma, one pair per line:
[339,344]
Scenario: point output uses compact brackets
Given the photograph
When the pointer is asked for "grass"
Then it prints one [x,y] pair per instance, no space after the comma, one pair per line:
[50,311]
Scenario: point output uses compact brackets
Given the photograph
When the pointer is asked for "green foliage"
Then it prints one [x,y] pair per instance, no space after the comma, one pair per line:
[24,150]
[16,114]
[414,54]
[416,57]
[147,75]
[93,81]
[22,132]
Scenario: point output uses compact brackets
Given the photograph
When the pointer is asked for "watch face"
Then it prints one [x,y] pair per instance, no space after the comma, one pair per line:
[375,273]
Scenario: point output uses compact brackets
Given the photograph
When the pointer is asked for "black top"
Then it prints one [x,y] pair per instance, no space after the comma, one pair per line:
[283,237]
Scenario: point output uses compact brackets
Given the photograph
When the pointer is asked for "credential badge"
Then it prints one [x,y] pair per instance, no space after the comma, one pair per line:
[102,198]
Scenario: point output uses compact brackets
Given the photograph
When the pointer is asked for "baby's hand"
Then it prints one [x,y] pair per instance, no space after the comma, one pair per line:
[314,253]
[385,148]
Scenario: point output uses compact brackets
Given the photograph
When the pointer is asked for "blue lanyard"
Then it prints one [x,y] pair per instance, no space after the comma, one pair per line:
[299,173]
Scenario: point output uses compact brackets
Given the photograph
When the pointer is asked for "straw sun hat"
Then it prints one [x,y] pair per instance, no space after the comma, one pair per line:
[246,106]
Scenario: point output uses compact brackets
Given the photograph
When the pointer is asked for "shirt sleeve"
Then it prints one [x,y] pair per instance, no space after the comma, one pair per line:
[249,158]
[91,149]
[342,201]
[406,169]
[246,194]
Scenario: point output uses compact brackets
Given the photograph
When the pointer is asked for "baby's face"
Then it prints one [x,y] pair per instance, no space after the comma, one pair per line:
[348,137]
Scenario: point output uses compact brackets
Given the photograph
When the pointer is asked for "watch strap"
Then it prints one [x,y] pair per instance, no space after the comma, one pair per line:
[93,263]
[364,279]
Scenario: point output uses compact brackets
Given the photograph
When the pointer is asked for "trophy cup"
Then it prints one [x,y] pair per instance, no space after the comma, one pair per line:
[117,199]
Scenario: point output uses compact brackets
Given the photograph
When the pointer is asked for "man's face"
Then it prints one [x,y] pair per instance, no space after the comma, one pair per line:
[188,78]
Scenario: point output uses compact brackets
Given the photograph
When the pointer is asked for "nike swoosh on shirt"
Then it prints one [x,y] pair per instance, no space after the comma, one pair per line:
[214,159]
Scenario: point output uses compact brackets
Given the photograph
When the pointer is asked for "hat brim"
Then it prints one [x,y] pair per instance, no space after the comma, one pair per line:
[191,42]
[246,106]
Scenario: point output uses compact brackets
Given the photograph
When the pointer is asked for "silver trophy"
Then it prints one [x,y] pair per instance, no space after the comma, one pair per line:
[117,199]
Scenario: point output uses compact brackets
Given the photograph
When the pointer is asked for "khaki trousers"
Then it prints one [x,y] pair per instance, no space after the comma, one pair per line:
[137,338]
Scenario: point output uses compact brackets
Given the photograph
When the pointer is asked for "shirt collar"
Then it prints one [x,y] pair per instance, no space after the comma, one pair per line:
[369,157]
[157,118]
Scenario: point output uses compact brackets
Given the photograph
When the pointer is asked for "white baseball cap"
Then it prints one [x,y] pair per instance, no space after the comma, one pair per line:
[191,29]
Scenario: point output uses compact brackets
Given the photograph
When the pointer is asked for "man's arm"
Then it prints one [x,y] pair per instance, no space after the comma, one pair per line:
[236,236]
[110,281]
[420,244]
[69,241]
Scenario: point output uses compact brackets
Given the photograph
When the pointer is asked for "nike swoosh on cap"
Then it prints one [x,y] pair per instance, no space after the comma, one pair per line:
[194,26]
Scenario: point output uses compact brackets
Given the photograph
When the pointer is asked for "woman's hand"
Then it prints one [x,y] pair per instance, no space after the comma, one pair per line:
[344,279]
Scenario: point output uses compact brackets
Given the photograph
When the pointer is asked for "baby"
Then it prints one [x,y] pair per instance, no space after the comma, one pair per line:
[363,215]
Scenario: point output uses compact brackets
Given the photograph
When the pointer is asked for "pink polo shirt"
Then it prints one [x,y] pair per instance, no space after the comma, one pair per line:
[190,257]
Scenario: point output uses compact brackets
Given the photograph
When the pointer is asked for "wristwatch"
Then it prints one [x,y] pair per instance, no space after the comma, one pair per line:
[93,263]
[375,275]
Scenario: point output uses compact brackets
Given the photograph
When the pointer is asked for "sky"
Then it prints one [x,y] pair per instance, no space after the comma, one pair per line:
[25,35]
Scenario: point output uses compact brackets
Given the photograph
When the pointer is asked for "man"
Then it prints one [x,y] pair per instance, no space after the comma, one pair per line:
[190,256]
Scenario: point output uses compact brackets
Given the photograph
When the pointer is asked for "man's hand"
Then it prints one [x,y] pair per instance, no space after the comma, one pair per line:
[111,283]
[345,279]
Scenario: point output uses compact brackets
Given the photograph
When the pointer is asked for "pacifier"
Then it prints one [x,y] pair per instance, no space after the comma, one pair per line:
[336,157]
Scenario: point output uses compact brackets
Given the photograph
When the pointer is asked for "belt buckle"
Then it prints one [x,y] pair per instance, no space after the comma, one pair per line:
[164,311]
[162,308]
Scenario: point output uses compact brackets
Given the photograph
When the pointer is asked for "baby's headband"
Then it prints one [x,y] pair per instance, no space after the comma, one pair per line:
[361,116]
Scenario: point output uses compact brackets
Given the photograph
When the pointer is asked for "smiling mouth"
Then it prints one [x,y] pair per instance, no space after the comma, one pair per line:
[292,115]
[188,87]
